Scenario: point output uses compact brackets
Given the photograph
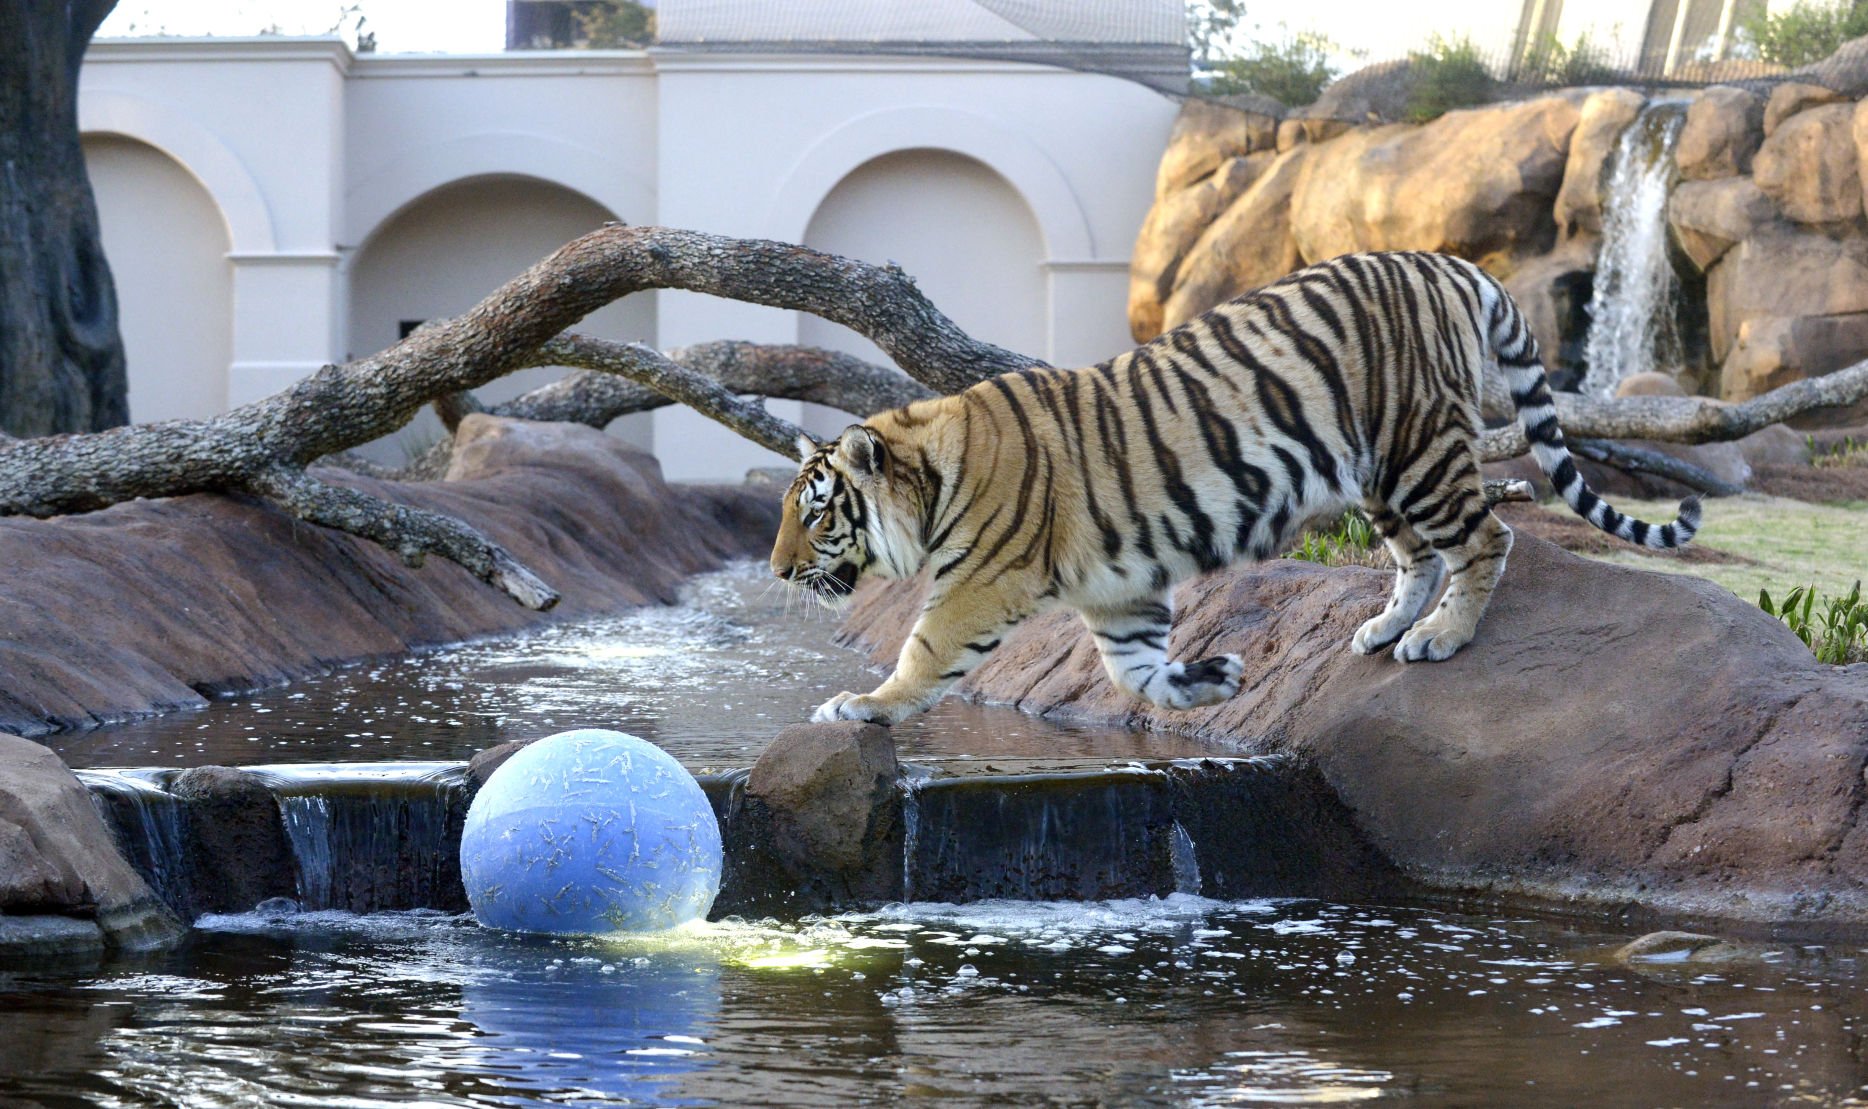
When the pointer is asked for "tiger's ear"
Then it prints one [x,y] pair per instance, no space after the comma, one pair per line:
[860,449]
[806,445]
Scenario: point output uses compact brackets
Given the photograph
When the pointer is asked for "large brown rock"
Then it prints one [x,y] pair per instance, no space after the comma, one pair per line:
[1783,271]
[1612,736]
[1808,166]
[1206,135]
[1724,126]
[1791,97]
[1845,71]
[831,790]
[238,853]
[1173,225]
[1249,245]
[153,605]
[1480,184]
[1708,217]
[1772,351]
[1377,93]
[57,858]
[1604,116]
[1553,293]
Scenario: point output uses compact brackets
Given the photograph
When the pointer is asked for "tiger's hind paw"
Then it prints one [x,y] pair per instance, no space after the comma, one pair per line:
[1429,641]
[1377,634]
[1207,682]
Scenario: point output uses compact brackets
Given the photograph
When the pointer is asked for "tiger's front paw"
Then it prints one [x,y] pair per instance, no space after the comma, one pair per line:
[1207,682]
[856,706]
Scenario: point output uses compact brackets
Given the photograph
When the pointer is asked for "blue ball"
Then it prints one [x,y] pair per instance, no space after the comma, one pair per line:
[590,831]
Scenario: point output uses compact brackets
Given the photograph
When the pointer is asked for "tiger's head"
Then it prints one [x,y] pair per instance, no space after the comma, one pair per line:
[837,522]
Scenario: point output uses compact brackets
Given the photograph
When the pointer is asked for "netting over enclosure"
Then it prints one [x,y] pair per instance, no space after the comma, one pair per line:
[1141,40]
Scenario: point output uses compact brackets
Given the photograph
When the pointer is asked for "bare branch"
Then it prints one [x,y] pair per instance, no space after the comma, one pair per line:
[651,368]
[1508,489]
[413,533]
[452,408]
[1685,419]
[1638,460]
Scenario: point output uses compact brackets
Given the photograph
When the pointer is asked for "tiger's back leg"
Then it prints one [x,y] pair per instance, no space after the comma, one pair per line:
[1132,639]
[1460,525]
[1419,570]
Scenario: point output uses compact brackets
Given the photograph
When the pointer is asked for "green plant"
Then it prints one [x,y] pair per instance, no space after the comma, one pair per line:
[1349,541]
[614,24]
[1549,62]
[1837,632]
[1449,74]
[1292,73]
[1809,32]
[1849,452]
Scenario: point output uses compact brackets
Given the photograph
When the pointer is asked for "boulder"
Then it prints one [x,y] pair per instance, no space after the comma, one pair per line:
[1783,271]
[1172,226]
[1776,445]
[1845,71]
[831,791]
[57,858]
[1205,136]
[1291,134]
[1809,166]
[1479,183]
[157,604]
[1553,292]
[238,852]
[1724,126]
[1249,245]
[1772,351]
[1858,131]
[1666,744]
[1604,116]
[1792,97]
[1377,93]
[1707,217]
[1649,384]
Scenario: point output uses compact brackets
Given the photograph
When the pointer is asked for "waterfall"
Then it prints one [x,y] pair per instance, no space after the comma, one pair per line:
[1634,322]
[373,835]
[148,823]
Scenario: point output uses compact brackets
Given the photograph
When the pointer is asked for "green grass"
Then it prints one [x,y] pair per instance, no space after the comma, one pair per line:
[1787,543]
[1835,629]
[1849,452]
[1347,541]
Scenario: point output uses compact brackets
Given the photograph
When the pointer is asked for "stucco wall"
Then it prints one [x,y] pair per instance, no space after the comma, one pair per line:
[338,182]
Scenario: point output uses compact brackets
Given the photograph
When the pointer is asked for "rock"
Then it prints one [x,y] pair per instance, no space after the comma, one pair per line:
[1553,293]
[1666,743]
[1708,217]
[1776,445]
[1206,135]
[1249,245]
[1604,116]
[1373,94]
[1845,71]
[237,847]
[1480,184]
[1172,226]
[30,939]
[1649,384]
[1724,126]
[1678,947]
[482,765]
[1781,270]
[831,791]
[57,858]
[1809,166]
[154,604]
[1792,97]
[1291,134]
[1772,351]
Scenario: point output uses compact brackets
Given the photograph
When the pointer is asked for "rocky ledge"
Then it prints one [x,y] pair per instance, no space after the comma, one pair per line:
[1617,742]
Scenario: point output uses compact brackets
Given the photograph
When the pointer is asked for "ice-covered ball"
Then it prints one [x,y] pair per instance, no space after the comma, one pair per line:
[590,831]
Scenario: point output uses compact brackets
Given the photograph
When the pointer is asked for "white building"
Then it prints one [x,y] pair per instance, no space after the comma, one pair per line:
[273,204]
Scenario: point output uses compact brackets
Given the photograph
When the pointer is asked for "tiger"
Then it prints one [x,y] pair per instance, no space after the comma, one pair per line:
[1351,383]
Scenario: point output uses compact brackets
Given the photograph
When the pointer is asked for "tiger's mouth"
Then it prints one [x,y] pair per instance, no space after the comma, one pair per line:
[844,577]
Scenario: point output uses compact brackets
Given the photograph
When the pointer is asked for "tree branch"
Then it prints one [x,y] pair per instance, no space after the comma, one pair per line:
[413,533]
[1685,419]
[1636,460]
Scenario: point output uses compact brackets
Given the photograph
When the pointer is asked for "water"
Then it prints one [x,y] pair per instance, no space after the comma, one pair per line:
[1180,1001]
[1634,324]
[711,680]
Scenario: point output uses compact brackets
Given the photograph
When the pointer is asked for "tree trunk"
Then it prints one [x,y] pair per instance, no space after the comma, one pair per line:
[61,357]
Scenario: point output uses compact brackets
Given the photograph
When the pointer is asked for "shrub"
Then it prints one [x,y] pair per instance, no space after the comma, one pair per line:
[1809,32]
[1292,73]
[1449,74]
[1849,452]
[1549,62]
[1350,541]
[1837,632]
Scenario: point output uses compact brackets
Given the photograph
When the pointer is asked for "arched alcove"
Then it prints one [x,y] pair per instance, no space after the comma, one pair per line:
[167,244]
[441,254]
[965,234]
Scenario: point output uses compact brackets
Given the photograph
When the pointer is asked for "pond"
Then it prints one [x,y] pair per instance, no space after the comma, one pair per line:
[1172,1000]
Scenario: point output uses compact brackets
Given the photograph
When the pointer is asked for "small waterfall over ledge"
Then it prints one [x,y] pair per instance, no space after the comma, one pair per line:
[1634,313]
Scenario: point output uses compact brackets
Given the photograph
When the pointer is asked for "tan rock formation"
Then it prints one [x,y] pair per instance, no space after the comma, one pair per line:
[1792,97]
[1708,217]
[1173,225]
[1206,134]
[1480,184]
[1724,126]
[1775,350]
[1249,245]
[1808,166]
[1579,202]
[1782,271]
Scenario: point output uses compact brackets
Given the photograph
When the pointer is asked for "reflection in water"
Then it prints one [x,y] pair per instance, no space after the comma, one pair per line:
[711,680]
[1179,1001]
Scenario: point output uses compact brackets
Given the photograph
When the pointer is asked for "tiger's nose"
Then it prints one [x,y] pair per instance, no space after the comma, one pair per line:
[785,573]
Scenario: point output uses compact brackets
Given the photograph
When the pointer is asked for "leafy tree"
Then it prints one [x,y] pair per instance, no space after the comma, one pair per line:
[614,24]
[1448,75]
[1211,25]
[1809,32]
[1292,73]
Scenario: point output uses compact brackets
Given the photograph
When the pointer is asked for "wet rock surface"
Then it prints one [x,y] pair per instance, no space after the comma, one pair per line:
[156,605]
[64,887]
[1613,739]
[239,855]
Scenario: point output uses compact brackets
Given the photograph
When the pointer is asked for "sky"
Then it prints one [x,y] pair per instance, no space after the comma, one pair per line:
[1374,28]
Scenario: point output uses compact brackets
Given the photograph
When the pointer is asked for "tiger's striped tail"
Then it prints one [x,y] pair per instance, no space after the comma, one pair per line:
[1516,350]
